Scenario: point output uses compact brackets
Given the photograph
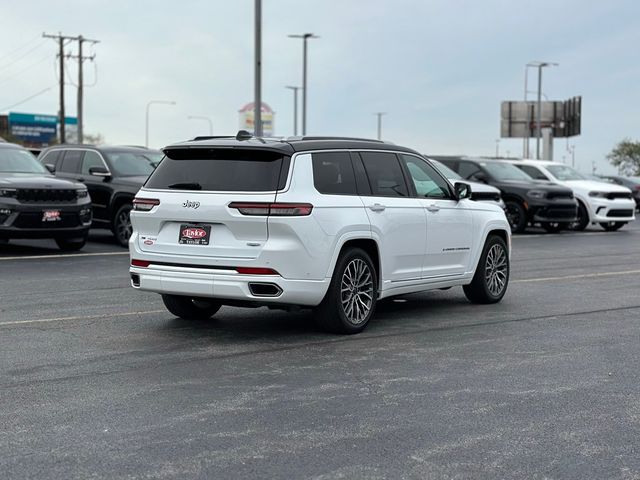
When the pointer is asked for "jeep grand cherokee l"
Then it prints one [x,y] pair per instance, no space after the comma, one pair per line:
[527,201]
[330,224]
[112,174]
[35,204]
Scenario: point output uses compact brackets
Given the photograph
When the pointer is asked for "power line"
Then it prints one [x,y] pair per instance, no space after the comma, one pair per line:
[20,72]
[16,60]
[26,99]
[15,50]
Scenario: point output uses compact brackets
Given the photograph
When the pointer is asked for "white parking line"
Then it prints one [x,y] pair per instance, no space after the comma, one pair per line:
[83,317]
[63,255]
[583,275]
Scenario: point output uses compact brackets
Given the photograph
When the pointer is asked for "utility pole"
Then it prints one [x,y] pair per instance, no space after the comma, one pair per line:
[81,59]
[61,39]
[304,37]
[61,56]
[379,115]
[257,102]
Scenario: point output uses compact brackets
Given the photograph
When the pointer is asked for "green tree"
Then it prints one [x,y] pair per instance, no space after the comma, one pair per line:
[626,156]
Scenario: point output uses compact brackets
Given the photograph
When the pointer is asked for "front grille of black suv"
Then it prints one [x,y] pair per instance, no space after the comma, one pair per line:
[46,195]
[486,196]
[559,213]
[620,213]
[559,195]
[34,220]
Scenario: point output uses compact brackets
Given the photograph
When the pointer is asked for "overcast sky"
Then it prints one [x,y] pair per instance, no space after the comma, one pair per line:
[439,68]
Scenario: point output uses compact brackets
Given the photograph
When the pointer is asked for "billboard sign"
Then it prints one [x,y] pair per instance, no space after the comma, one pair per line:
[247,120]
[519,119]
[38,129]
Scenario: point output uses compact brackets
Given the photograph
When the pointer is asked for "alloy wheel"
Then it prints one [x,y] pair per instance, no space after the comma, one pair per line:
[356,291]
[124,229]
[495,271]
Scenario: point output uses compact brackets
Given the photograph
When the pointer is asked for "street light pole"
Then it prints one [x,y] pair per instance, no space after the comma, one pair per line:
[539,66]
[146,123]
[304,37]
[379,115]
[257,101]
[202,117]
[295,108]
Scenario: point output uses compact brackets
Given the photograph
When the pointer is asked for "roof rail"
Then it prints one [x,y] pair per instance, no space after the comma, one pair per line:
[306,137]
[209,137]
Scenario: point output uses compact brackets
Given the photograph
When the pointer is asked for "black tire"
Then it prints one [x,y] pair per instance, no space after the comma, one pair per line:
[612,226]
[121,225]
[347,307]
[554,227]
[516,216]
[191,308]
[583,219]
[493,268]
[71,244]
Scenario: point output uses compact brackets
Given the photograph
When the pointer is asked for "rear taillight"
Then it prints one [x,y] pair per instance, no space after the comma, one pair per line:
[274,209]
[145,204]
[140,263]
[256,271]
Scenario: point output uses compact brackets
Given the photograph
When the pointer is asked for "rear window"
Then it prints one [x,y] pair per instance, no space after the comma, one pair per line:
[333,173]
[226,170]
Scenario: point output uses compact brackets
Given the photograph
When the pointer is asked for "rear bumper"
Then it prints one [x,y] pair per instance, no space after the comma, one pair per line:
[226,285]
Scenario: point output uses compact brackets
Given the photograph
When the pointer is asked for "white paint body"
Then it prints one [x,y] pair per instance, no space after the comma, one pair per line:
[423,243]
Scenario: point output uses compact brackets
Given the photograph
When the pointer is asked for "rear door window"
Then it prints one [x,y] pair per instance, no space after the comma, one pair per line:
[385,174]
[333,173]
[220,169]
[71,161]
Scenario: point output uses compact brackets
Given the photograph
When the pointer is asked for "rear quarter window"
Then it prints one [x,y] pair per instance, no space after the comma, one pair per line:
[225,170]
[333,173]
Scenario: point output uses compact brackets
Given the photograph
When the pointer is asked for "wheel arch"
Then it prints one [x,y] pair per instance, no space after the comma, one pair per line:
[367,244]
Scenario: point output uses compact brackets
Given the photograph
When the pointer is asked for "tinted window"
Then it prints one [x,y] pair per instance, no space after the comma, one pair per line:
[428,183]
[51,158]
[130,164]
[384,174]
[91,159]
[333,173]
[468,170]
[505,171]
[71,161]
[221,170]
[16,160]
[533,172]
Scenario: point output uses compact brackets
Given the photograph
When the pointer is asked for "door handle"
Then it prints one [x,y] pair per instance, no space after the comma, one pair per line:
[376,207]
[433,207]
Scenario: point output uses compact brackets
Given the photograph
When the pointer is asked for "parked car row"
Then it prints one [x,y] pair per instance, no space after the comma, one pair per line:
[71,188]
[550,194]
[531,192]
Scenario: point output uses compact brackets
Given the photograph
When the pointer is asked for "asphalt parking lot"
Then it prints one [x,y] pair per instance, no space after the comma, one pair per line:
[99,381]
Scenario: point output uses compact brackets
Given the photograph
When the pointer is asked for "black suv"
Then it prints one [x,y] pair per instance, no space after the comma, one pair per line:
[35,204]
[527,201]
[113,176]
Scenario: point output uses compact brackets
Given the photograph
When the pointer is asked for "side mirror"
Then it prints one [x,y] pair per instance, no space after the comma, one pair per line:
[50,167]
[463,190]
[99,172]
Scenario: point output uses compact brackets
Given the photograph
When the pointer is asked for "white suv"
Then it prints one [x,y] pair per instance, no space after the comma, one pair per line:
[331,224]
[610,205]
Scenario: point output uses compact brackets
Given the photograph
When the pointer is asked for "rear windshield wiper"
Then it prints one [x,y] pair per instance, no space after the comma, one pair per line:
[186,186]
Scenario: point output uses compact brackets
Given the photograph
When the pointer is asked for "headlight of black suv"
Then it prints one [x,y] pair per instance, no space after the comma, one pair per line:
[83,193]
[536,194]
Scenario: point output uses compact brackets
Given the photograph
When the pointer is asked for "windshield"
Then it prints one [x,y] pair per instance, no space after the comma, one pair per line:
[14,160]
[505,171]
[445,171]
[564,173]
[132,164]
